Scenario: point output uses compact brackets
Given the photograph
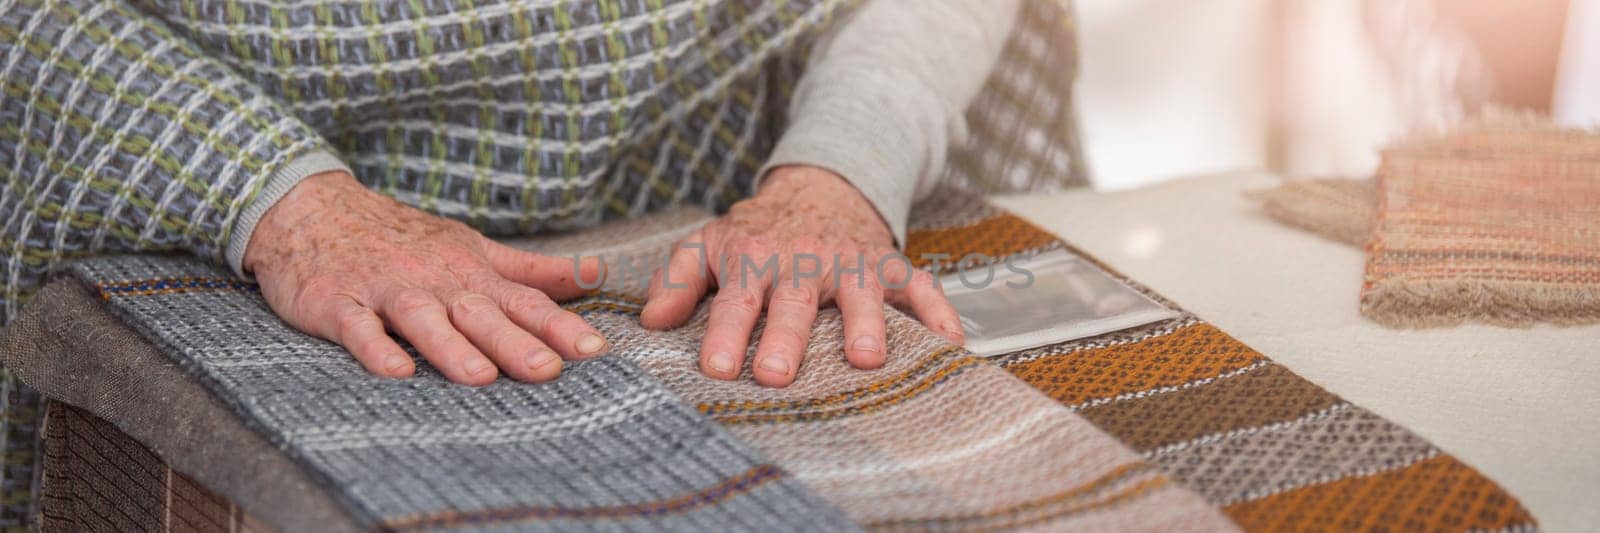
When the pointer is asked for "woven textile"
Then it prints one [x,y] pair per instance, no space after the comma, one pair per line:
[1339,209]
[1026,462]
[1272,450]
[1496,222]
[152,127]
[606,444]
[935,439]
[1174,425]
[96,478]
[86,358]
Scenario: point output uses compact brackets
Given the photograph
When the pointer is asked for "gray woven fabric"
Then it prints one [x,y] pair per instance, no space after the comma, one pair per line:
[156,126]
[604,447]
[70,347]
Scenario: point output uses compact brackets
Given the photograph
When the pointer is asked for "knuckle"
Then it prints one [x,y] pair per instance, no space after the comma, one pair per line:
[508,342]
[544,322]
[350,319]
[316,289]
[412,301]
[471,306]
[538,313]
[789,296]
[442,341]
[525,303]
[786,334]
[321,284]
[739,300]
[864,306]
[369,347]
[861,284]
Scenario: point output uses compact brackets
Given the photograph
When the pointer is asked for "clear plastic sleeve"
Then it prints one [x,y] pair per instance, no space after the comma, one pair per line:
[1049,298]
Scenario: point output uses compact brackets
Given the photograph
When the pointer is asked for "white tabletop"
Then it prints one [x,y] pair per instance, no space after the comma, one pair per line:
[1521,405]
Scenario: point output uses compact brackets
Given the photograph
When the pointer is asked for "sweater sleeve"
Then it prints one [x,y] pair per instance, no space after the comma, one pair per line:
[883,97]
[116,135]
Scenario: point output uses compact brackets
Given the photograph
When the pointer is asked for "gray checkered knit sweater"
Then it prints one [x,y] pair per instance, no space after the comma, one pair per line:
[171,125]
[174,125]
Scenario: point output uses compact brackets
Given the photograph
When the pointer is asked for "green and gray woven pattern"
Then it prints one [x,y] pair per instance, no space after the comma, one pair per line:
[151,126]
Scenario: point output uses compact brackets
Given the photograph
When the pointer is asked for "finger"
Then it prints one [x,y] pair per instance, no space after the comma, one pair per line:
[517,352]
[668,306]
[558,277]
[360,330]
[790,313]
[861,302]
[563,330]
[419,317]
[925,298]
[733,315]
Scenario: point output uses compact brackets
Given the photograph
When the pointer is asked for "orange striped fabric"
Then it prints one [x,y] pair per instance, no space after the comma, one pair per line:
[1275,451]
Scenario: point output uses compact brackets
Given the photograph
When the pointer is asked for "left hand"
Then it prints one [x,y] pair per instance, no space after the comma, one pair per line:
[805,218]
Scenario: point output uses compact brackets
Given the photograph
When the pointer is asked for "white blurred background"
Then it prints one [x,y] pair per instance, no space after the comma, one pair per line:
[1172,88]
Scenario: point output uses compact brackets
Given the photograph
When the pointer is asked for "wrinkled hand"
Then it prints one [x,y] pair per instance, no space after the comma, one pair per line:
[806,213]
[344,263]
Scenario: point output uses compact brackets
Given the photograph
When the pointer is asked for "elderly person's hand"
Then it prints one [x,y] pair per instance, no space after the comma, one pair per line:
[341,262]
[804,218]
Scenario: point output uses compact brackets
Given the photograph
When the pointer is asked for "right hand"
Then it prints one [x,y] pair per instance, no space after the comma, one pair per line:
[341,262]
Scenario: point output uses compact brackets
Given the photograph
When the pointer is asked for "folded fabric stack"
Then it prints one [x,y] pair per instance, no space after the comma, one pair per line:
[1170,426]
[1496,222]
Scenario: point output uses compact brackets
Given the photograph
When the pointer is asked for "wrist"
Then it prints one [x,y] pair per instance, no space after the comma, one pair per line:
[809,183]
[820,189]
[308,202]
[269,192]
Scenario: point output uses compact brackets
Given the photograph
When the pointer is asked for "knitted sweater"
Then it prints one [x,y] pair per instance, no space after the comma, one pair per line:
[168,126]
[174,126]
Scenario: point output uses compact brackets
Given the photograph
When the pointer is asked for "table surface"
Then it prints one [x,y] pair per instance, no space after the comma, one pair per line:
[1521,405]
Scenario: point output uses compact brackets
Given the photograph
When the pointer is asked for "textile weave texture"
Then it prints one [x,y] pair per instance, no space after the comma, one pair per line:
[605,444]
[1340,209]
[1272,450]
[151,126]
[1173,425]
[1496,222]
[97,478]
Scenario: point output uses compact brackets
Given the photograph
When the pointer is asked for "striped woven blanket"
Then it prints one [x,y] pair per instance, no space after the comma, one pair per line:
[1170,426]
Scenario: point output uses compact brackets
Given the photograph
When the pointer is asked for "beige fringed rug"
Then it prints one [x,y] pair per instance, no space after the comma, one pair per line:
[1340,209]
[1496,222]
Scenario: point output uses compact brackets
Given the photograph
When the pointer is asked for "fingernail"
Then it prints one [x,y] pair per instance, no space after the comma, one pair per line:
[776,364]
[590,344]
[866,343]
[952,331]
[477,367]
[722,362]
[396,363]
[541,358]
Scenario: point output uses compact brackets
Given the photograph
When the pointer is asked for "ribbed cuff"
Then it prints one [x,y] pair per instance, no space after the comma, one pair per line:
[278,185]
